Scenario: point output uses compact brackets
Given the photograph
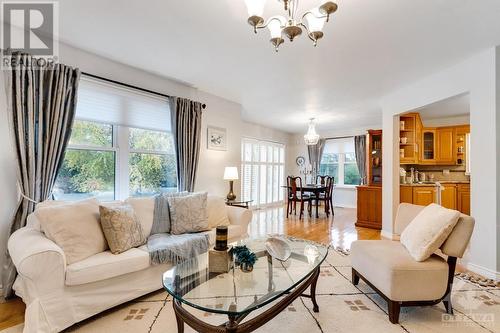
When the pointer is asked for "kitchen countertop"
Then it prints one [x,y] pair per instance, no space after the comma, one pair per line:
[441,181]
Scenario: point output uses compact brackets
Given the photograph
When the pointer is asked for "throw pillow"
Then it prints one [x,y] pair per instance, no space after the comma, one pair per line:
[188,213]
[217,212]
[121,228]
[144,210]
[428,231]
[161,215]
[75,227]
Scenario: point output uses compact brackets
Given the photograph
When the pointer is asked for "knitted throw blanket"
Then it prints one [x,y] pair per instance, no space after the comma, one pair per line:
[165,248]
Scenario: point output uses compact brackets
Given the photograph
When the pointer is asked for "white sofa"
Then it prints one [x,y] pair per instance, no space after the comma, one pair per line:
[58,295]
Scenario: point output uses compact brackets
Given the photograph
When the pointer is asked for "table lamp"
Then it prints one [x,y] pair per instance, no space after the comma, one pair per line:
[231,174]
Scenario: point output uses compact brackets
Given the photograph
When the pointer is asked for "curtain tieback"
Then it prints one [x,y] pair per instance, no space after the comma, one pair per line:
[25,196]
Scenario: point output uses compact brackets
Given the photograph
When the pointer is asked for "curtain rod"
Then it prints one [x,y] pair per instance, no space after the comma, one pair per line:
[341,137]
[203,106]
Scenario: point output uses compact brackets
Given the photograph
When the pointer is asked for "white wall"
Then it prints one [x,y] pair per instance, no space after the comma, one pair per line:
[479,76]
[343,196]
[448,121]
[219,112]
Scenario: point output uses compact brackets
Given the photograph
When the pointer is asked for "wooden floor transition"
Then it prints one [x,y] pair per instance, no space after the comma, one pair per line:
[339,231]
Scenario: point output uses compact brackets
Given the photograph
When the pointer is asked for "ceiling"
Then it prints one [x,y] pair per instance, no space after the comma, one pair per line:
[451,107]
[370,48]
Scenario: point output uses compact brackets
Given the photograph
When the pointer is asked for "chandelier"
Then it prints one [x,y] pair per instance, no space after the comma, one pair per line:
[291,26]
[311,137]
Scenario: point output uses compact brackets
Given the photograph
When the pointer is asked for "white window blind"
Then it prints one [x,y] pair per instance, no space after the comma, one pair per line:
[262,172]
[103,102]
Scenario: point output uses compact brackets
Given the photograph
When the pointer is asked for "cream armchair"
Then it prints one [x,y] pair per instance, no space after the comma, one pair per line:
[388,268]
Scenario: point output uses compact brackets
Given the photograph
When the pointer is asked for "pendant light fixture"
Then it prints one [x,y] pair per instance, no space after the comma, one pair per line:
[311,137]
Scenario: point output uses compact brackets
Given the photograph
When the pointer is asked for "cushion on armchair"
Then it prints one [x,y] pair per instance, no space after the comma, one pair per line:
[428,231]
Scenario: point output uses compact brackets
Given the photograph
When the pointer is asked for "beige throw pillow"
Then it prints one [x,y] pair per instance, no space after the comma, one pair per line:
[188,213]
[75,227]
[428,231]
[217,212]
[121,228]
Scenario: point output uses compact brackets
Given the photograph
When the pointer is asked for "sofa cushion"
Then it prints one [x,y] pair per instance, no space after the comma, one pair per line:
[217,212]
[428,231]
[106,265]
[393,271]
[161,216]
[188,213]
[144,210]
[75,228]
[121,228]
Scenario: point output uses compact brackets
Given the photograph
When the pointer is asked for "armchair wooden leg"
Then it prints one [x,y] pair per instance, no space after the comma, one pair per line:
[394,308]
[354,277]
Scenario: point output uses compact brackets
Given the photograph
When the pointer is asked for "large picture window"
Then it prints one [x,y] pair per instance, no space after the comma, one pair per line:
[120,146]
[339,161]
[262,172]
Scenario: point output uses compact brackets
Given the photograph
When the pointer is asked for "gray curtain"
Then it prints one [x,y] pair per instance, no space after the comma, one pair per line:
[41,104]
[315,152]
[186,130]
[360,150]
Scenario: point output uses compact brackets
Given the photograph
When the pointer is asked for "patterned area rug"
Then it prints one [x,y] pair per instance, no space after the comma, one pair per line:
[343,308]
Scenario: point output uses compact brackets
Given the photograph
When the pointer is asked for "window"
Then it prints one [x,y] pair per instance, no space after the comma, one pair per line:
[339,161]
[89,164]
[152,166]
[262,172]
[120,146]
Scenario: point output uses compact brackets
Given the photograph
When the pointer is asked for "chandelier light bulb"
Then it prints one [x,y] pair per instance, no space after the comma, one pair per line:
[255,7]
[315,21]
[275,25]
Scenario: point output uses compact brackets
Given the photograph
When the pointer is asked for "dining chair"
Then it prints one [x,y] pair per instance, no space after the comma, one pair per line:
[327,196]
[296,194]
[321,180]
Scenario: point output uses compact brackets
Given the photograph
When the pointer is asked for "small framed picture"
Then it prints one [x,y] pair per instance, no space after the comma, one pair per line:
[216,138]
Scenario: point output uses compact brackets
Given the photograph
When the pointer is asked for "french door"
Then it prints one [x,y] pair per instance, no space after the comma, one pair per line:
[262,172]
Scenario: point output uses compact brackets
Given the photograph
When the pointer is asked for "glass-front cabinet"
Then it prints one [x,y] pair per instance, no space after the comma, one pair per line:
[429,146]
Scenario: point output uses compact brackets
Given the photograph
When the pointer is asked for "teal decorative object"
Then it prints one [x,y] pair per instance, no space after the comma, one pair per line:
[244,257]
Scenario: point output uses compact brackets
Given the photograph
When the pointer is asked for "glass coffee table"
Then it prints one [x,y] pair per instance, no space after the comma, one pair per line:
[237,293]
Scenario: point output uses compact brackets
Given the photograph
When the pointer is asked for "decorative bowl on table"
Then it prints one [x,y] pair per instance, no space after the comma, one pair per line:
[278,248]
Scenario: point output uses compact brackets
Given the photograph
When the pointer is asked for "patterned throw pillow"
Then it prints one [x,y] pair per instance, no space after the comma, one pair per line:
[121,228]
[188,213]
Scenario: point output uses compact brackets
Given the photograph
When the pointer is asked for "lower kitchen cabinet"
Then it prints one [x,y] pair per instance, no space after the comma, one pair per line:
[463,198]
[454,196]
[369,207]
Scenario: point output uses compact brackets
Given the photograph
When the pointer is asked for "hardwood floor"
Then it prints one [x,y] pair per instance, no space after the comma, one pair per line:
[338,230]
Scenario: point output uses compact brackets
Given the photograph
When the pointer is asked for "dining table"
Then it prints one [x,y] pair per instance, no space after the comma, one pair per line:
[315,189]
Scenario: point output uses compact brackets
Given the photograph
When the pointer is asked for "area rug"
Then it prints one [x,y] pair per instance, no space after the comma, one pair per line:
[343,308]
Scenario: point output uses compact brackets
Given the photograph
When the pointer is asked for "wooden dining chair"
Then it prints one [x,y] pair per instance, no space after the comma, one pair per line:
[327,196]
[321,180]
[296,194]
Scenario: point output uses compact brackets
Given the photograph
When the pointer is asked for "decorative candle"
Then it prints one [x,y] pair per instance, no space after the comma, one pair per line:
[221,238]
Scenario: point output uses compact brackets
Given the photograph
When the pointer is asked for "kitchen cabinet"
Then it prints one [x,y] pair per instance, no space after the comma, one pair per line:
[429,146]
[445,145]
[369,207]
[409,133]
[463,198]
[374,162]
[449,196]
[406,194]
[424,195]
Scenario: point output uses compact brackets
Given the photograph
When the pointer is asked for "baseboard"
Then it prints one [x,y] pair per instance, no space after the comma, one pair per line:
[343,206]
[483,271]
[389,235]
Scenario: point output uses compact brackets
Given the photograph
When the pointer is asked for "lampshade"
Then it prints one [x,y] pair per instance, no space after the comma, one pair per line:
[231,173]
[311,138]
[255,7]
[274,26]
[314,23]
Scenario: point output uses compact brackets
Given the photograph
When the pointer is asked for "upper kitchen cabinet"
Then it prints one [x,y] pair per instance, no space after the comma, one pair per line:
[445,145]
[410,127]
[429,146]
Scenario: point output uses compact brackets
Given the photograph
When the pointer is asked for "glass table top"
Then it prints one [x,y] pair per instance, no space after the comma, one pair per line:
[238,292]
